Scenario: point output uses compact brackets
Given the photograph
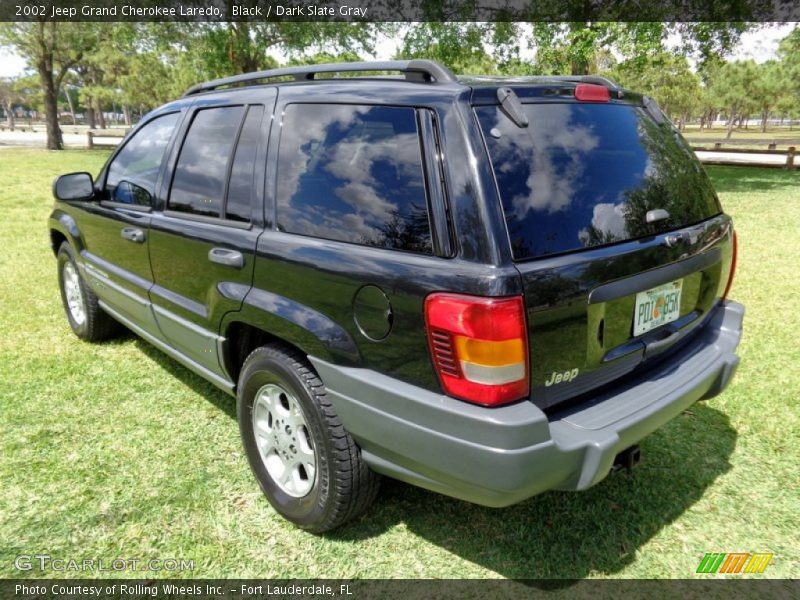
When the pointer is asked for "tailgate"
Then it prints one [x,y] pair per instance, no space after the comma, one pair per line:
[619,238]
[583,314]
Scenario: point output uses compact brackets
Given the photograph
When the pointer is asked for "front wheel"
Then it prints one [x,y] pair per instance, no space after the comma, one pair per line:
[308,466]
[81,305]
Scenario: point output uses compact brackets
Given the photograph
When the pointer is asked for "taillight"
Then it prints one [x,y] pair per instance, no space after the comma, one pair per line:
[591,92]
[479,347]
[734,256]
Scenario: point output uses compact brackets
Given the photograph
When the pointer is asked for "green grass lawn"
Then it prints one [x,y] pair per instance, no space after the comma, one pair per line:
[115,451]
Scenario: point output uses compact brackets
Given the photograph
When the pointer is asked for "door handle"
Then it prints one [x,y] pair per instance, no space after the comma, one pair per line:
[132,235]
[226,257]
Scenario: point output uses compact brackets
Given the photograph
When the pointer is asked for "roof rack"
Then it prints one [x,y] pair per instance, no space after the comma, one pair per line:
[414,70]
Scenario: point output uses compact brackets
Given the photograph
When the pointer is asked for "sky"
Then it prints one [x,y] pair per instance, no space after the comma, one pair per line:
[759,45]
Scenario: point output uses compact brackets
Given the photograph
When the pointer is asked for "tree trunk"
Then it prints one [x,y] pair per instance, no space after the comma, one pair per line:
[90,114]
[71,106]
[101,118]
[764,117]
[580,67]
[242,53]
[54,139]
[579,63]
[731,121]
[9,115]
[127,112]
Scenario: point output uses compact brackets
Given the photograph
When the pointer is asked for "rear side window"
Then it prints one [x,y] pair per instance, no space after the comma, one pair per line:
[198,186]
[583,175]
[353,174]
[136,166]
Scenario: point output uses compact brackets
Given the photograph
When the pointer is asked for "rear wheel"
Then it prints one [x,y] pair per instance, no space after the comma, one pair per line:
[308,466]
[85,317]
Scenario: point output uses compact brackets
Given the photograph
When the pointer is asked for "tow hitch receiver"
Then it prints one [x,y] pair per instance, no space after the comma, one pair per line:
[627,459]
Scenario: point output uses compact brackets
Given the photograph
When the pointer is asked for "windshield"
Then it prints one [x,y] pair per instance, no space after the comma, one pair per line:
[583,175]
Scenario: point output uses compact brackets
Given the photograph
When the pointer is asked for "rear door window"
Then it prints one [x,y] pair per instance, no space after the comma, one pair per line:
[198,186]
[584,175]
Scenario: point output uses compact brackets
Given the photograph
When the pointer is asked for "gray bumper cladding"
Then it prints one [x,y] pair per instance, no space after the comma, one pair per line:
[500,456]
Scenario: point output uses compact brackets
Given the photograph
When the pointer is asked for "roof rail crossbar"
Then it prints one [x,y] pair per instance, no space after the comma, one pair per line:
[414,70]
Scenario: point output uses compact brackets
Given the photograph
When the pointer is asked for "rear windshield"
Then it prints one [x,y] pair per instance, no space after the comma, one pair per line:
[583,175]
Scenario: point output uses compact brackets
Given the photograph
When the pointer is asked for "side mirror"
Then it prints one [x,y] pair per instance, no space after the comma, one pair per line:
[130,193]
[74,186]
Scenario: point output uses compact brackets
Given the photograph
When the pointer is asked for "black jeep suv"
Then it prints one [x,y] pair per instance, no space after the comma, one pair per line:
[486,287]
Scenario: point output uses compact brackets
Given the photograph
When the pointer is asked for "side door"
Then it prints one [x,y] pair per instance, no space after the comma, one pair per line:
[202,242]
[115,229]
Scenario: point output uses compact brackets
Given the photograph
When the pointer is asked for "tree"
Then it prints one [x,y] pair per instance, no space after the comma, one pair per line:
[8,98]
[242,47]
[52,49]
[463,47]
[167,58]
[734,89]
[577,48]
[789,54]
[574,48]
[468,48]
[667,78]
[769,89]
[103,68]
[321,58]
[29,93]
[69,86]
[708,42]
[580,48]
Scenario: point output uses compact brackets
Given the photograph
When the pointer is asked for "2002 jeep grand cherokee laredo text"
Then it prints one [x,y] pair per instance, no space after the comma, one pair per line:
[485,287]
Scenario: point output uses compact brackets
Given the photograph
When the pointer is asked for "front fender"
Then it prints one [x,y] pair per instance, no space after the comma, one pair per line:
[65,224]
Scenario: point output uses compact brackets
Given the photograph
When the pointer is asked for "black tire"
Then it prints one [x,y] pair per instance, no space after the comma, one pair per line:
[343,486]
[96,325]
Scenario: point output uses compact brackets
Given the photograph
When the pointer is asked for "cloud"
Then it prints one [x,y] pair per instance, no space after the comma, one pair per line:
[552,186]
[553,150]
[349,168]
[609,220]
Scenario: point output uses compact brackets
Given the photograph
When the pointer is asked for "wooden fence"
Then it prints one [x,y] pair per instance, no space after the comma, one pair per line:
[91,134]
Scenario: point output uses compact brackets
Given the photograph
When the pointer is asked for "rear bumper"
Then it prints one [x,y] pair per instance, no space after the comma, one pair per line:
[500,456]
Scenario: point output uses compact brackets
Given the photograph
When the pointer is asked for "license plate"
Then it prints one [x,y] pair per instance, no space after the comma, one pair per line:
[657,306]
